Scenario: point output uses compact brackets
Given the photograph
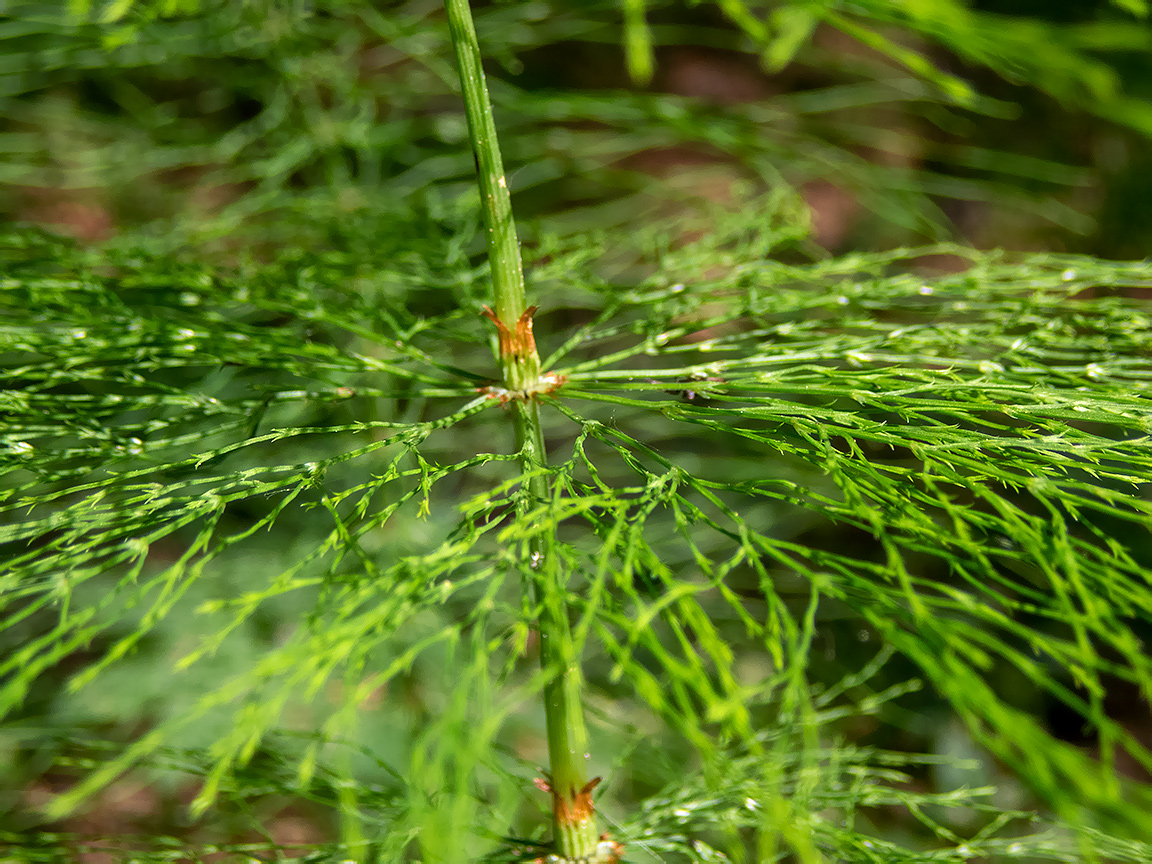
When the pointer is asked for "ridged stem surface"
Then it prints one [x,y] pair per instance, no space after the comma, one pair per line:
[574,825]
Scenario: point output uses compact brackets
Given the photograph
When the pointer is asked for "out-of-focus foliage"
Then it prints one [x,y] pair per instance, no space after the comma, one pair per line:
[181,110]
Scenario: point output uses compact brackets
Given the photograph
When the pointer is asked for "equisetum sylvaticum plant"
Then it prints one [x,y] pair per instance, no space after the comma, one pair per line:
[811,547]
[573,816]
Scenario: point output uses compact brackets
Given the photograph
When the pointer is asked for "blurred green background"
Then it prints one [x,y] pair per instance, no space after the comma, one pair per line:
[1015,124]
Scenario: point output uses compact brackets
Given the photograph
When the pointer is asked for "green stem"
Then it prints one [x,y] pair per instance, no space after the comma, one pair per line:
[574,831]
[496,204]
[574,825]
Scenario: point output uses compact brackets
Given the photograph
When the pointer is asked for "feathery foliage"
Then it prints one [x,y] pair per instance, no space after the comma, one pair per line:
[954,463]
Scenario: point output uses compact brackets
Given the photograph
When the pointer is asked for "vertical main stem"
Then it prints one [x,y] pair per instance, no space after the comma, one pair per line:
[574,822]
[496,204]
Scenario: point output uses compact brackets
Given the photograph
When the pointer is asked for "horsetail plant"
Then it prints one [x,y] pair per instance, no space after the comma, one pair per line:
[810,530]
[574,822]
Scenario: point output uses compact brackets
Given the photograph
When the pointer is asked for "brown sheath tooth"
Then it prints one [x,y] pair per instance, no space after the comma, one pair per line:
[525,343]
[520,343]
